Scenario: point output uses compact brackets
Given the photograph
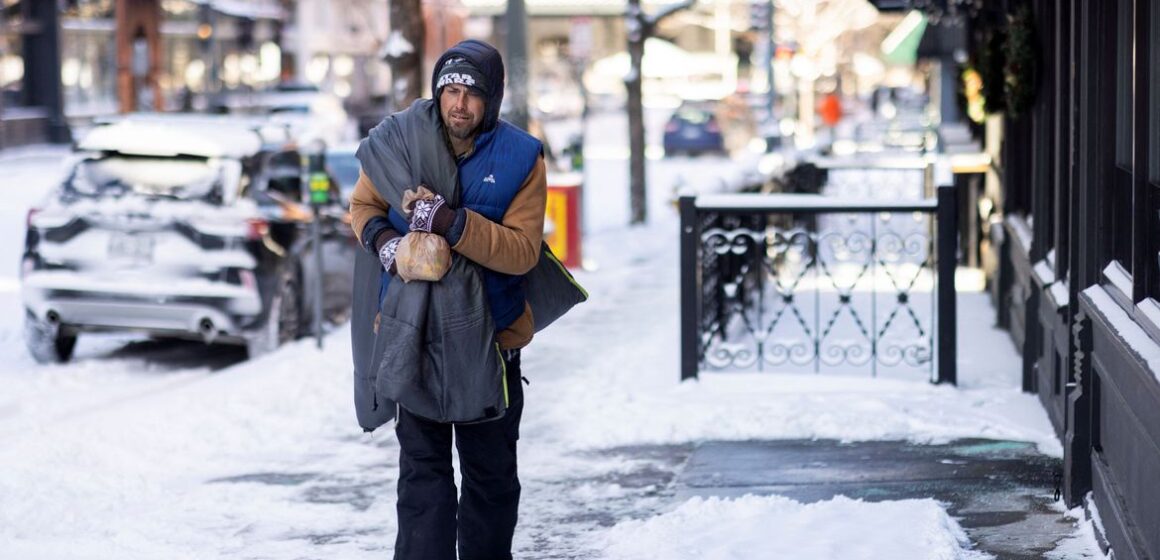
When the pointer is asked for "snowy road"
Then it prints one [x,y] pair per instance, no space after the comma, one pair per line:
[151,450]
[144,449]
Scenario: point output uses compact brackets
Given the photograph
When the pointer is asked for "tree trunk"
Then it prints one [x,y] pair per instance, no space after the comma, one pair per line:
[639,27]
[516,64]
[404,52]
[636,172]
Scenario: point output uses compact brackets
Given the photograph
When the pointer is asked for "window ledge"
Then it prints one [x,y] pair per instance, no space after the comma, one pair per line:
[1119,279]
[1057,292]
[1148,316]
[1043,273]
[1133,329]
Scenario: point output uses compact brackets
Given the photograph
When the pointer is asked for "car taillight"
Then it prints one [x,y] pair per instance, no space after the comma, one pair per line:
[672,126]
[31,214]
[257,228]
[711,126]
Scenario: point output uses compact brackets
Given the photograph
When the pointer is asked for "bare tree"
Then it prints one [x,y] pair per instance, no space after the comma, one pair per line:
[640,26]
[403,51]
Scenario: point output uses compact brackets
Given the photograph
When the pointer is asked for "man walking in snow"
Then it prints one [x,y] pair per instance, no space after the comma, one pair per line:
[490,210]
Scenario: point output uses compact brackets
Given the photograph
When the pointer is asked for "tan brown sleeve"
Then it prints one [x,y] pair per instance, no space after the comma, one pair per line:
[520,332]
[365,203]
[512,246]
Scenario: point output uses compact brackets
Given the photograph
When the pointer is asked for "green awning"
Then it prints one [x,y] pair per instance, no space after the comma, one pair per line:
[901,45]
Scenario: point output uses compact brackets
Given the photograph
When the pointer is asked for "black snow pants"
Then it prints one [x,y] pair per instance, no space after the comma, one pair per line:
[484,519]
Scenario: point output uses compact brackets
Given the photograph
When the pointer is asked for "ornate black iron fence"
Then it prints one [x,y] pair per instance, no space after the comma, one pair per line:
[806,282]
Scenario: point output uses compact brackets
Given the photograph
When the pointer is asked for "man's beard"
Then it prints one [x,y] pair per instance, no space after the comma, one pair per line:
[461,132]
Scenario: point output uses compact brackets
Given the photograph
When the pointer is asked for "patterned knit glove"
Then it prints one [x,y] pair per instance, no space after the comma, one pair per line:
[387,254]
[432,215]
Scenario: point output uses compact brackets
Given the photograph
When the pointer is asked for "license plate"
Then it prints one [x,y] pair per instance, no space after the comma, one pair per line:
[135,247]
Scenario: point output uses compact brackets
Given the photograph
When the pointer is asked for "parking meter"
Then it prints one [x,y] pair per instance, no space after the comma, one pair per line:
[314,170]
[319,180]
[575,152]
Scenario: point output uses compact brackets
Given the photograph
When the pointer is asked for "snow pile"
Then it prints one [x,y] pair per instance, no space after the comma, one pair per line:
[771,527]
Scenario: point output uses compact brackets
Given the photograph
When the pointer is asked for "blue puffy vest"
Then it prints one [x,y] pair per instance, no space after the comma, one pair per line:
[489,179]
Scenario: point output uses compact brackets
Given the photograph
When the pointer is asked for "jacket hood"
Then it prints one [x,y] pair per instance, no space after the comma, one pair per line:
[489,62]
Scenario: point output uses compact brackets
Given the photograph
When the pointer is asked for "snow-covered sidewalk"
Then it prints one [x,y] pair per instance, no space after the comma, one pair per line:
[115,458]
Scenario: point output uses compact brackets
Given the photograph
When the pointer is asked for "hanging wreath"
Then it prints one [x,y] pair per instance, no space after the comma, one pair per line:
[973,102]
[982,88]
[992,61]
[1019,72]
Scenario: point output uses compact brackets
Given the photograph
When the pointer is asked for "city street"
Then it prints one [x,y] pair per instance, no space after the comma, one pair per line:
[160,449]
[149,449]
[862,279]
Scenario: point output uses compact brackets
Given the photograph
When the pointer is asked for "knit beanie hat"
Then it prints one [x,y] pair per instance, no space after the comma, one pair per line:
[484,65]
[459,70]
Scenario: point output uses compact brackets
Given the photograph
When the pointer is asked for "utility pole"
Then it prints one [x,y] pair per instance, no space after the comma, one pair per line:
[517,61]
[770,50]
[404,52]
[42,60]
[761,22]
[640,26]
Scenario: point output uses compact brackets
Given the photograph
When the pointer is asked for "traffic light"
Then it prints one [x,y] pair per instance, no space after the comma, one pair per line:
[760,15]
[204,24]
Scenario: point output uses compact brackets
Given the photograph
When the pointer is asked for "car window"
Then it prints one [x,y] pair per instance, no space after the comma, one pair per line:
[693,115]
[297,109]
[286,182]
[184,178]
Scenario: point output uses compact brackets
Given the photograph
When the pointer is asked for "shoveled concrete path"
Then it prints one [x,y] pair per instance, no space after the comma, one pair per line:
[1001,492]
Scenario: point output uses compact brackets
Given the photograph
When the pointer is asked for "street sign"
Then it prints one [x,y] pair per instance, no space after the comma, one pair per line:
[761,15]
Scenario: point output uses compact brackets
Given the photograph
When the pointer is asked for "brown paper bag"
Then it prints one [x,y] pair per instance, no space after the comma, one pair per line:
[423,256]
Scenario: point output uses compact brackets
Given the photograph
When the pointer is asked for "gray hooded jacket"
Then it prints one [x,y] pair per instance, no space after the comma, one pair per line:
[435,352]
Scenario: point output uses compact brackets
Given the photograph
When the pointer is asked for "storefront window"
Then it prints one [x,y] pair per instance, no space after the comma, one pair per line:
[11,63]
[11,59]
[179,10]
[1122,186]
[1152,148]
[1154,98]
[177,79]
[89,9]
[89,71]
[1125,64]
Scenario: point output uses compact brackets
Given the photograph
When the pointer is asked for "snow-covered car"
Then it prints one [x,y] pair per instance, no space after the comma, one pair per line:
[183,226]
[310,113]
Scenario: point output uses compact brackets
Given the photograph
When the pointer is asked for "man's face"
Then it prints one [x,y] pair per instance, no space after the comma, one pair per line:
[462,109]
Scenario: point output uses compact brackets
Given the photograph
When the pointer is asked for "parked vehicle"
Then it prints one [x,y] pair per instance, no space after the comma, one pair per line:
[182,226]
[693,129]
[310,113]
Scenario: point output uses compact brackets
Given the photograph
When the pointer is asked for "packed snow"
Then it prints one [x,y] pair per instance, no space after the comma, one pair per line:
[778,527]
[120,455]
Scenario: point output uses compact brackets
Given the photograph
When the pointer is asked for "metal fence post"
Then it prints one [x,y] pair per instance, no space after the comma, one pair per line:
[948,237]
[1077,440]
[690,307]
